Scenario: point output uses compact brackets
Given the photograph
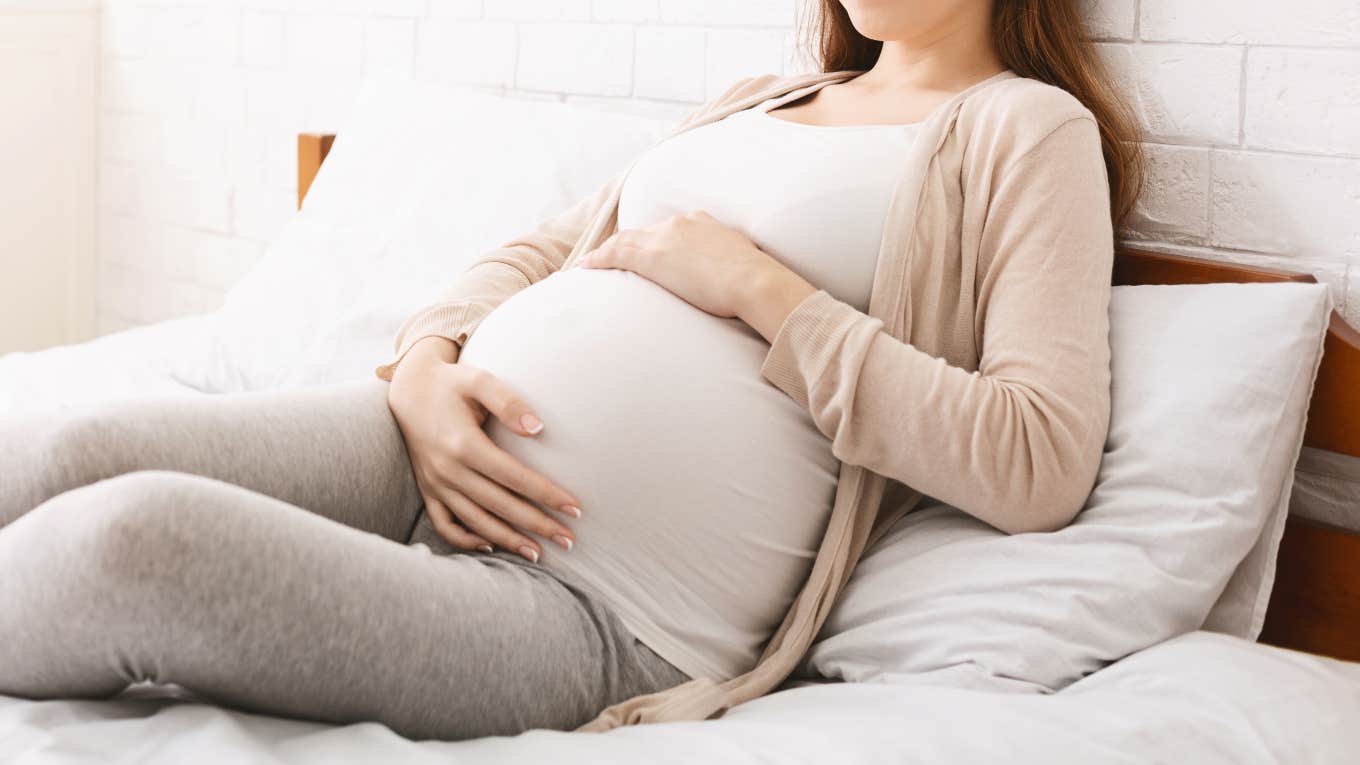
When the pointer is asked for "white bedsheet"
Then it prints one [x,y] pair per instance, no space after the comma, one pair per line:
[141,361]
[1201,698]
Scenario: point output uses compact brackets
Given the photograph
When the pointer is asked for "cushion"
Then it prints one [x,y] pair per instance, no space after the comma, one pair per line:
[1210,388]
[423,179]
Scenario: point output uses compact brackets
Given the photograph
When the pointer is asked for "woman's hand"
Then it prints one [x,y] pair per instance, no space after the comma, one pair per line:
[441,406]
[712,266]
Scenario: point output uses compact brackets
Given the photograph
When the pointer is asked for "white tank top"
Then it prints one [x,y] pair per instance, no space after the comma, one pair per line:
[705,489]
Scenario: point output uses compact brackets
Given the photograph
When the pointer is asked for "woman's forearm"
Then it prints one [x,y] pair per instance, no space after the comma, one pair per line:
[770,297]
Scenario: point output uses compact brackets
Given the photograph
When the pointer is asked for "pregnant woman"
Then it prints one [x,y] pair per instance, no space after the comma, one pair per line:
[621,470]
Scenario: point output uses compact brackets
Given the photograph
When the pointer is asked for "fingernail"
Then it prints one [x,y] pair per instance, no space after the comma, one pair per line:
[529,553]
[563,540]
[485,548]
[530,423]
[572,510]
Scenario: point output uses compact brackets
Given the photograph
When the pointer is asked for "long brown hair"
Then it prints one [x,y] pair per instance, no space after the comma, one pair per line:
[1045,40]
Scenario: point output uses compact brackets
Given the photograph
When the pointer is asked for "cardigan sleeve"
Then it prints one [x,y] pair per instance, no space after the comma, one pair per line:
[1018,442]
[492,278]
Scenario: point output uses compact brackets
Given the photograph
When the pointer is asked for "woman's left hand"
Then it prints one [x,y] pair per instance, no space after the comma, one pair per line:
[712,266]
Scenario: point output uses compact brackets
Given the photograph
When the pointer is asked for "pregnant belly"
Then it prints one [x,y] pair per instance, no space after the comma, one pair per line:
[705,490]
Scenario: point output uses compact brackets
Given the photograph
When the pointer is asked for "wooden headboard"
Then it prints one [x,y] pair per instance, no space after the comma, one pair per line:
[1315,603]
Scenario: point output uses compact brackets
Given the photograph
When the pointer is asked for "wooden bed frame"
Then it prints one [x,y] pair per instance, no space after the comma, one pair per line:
[1315,602]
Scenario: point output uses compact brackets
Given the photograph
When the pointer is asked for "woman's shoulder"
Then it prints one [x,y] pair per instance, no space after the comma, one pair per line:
[768,82]
[735,91]
[1014,115]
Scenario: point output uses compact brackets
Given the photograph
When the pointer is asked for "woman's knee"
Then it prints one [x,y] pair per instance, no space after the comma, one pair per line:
[137,526]
[85,445]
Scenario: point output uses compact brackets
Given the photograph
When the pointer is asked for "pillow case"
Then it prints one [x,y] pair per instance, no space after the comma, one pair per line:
[1210,388]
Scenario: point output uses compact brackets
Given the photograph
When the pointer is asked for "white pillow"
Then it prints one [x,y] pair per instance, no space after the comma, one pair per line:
[1210,390]
[422,180]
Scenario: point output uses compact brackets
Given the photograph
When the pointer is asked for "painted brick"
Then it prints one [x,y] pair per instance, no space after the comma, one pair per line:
[195,146]
[670,63]
[799,55]
[1183,93]
[262,40]
[1299,22]
[1111,19]
[1174,206]
[221,95]
[408,8]
[156,194]
[186,299]
[456,9]
[126,32]
[122,291]
[733,54]
[1302,206]
[201,101]
[626,10]
[1304,100]
[330,45]
[601,56]
[120,188]
[389,46]
[276,99]
[107,323]
[726,12]
[474,52]
[199,202]
[328,102]
[129,138]
[538,10]
[129,241]
[145,87]
[1350,302]
[205,33]
[206,259]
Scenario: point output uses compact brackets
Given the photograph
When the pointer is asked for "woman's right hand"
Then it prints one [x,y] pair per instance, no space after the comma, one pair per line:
[441,407]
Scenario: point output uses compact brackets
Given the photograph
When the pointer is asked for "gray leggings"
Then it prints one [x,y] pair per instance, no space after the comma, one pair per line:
[167,540]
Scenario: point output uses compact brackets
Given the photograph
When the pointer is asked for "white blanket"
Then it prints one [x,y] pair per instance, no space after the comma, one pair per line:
[1201,698]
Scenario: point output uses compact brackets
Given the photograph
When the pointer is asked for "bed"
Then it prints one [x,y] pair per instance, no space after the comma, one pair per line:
[1199,696]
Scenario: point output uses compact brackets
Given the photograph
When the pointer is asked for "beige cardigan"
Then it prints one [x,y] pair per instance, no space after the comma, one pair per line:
[980,375]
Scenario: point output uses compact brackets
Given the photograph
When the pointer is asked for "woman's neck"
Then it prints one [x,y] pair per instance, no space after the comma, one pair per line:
[948,57]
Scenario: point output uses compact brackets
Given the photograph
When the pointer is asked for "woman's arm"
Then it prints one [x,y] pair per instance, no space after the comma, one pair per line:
[495,276]
[1017,443]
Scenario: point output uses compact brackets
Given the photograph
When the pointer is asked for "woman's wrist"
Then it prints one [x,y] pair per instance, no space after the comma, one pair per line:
[770,296]
[433,349]
[436,347]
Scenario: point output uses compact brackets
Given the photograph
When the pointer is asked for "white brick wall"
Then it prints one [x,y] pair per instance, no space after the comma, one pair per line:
[1251,107]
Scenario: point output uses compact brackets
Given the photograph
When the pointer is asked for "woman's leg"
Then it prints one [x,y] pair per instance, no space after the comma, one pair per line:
[334,450]
[252,602]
